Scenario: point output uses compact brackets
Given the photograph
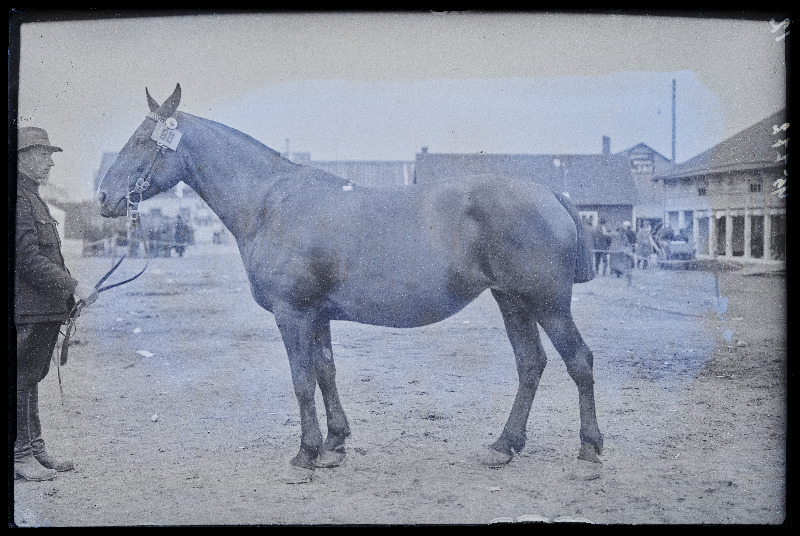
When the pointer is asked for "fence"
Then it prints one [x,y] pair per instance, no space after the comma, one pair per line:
[635,258]
[112,246]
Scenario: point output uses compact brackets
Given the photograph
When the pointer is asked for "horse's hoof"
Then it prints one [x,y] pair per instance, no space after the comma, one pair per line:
[584,471]
[588,453]
[331,458]
[495,458]
[297,475]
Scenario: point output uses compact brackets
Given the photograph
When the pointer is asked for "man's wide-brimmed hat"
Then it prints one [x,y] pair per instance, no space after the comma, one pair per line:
[34,137]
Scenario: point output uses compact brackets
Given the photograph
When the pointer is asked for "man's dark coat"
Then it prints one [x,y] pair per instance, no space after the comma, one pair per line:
[44,288]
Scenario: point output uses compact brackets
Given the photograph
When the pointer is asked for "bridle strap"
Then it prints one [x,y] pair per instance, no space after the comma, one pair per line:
[143,182]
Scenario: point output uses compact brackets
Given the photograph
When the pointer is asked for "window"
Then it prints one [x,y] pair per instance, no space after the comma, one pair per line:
[755,187]
[589,217]
[701,190]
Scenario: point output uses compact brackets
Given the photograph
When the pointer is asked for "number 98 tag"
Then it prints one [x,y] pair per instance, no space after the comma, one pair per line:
[166,136]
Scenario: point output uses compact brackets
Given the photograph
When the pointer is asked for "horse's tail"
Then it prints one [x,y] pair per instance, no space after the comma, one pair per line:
[584,271]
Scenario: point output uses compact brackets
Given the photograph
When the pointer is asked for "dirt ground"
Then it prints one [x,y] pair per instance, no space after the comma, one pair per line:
[199,425]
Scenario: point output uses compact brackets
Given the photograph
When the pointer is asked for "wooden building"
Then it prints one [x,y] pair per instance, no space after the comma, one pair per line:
[731,198]
[647,163]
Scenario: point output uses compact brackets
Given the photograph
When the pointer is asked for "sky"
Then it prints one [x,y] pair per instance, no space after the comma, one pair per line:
[380,86]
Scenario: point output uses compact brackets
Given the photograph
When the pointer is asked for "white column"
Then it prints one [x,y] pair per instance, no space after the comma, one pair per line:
[748,227]
[712,233]
[696,229]
[728,234]
[681,221]
[767,235]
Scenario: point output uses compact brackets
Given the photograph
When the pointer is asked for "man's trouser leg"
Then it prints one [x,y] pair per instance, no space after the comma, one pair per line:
[35,345]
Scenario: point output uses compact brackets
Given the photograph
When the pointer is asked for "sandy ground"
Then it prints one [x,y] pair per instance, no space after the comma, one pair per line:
[199,427]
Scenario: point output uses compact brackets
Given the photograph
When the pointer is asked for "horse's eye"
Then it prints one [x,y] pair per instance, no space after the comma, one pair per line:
[141,140]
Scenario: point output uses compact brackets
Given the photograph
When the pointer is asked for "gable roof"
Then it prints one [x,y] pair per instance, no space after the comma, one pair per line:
[644,147]
[749,149]
[591,179]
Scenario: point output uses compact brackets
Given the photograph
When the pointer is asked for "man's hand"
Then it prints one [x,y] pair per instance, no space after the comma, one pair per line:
[85,293]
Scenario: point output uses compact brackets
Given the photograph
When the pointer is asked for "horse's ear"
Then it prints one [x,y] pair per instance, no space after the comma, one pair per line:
[151,102]
[171,104]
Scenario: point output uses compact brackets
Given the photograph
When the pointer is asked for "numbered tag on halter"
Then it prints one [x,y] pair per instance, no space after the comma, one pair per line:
[166,136]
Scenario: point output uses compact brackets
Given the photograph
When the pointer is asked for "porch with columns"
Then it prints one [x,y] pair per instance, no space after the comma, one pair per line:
[758,237]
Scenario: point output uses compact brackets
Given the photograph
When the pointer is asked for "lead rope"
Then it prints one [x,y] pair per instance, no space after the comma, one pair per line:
[59,352]
[139,187]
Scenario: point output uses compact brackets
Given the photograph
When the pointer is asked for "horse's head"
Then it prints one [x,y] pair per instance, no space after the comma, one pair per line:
[148,164]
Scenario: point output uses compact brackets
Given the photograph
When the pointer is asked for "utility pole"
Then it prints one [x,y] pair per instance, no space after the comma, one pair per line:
[674,90]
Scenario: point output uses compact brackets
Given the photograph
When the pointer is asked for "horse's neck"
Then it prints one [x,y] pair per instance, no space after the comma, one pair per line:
[230,171]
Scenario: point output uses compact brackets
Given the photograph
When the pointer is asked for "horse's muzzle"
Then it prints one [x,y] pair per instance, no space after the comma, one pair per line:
[120,208]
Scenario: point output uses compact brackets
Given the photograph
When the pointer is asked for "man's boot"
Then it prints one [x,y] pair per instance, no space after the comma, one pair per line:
[48,461]
[28,468]
[25,464]
[37,443]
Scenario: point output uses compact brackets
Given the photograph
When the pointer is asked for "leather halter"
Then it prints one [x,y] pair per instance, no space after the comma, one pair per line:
[143,182]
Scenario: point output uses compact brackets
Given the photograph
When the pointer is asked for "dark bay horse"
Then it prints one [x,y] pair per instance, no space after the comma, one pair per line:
[318,248]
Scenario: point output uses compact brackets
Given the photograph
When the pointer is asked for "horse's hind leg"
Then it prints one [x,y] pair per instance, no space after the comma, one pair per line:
[333,449]
[564,335]
[523,333]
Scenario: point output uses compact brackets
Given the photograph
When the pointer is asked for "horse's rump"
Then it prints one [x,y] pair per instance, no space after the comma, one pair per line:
[584,271]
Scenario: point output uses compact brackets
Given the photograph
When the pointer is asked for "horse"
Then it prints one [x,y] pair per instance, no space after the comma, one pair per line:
[318,248]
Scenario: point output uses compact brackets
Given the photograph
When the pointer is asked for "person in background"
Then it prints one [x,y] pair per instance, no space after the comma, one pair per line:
[644,246]
[629,233]
[666,233]
[181,235]
[44,293]
[620,259]
[601,240]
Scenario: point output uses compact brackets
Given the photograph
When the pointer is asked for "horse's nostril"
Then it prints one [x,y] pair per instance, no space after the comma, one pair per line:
[101,197]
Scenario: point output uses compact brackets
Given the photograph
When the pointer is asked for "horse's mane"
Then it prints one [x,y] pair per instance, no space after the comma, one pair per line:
[311,175]
[238,134]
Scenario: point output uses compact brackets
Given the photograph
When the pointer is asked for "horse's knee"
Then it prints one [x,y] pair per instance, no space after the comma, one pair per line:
[530,370]
[304,392]
[325,368]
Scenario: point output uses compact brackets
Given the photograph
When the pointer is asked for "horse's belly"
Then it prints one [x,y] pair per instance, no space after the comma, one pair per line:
[396,309]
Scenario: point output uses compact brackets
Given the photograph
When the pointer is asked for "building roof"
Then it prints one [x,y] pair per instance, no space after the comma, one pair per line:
[590,179]
[370,173]
[644,147]
[752,148]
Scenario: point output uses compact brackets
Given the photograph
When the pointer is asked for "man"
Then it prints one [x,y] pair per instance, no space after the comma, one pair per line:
[644,246]
[181,235]
[44,293]
[601,241]
[630,234]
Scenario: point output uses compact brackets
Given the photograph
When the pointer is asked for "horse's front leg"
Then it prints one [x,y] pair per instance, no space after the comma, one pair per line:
[338,428]
[297,331]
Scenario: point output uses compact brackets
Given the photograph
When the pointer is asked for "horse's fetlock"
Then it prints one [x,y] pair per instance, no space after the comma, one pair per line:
[336,439]
[595,440]
[509,445]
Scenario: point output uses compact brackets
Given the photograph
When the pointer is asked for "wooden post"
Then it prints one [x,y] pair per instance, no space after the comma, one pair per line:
[748,229]
[728,234]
